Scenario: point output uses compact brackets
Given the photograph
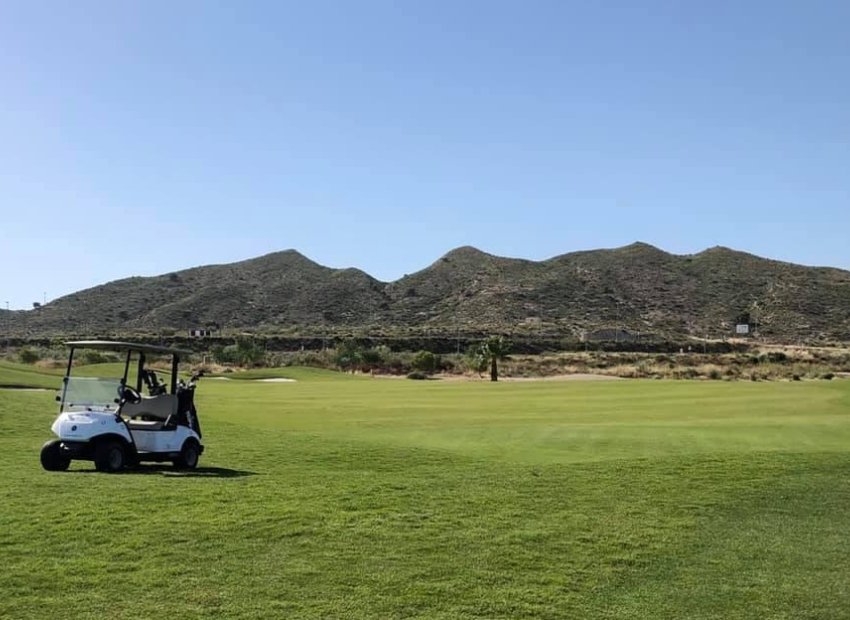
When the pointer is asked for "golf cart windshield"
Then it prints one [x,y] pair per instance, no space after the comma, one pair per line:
[134,372]
[82,393]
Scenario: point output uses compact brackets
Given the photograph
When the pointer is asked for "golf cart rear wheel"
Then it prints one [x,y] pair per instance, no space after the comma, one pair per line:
[52,458]
[189,455]
[110,456]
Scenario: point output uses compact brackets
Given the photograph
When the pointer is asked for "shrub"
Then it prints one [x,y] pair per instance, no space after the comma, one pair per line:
[250,351]
[28,355]
[686,373]
[425,361]
[774,357]
[224,354]
[316,360]
[95,357]
[371,359]
[474,361]
[348,356]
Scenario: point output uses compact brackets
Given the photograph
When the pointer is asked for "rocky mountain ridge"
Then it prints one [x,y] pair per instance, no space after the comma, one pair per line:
[636,289]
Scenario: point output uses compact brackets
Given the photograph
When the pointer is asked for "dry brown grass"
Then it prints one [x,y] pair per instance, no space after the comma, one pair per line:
[765,364]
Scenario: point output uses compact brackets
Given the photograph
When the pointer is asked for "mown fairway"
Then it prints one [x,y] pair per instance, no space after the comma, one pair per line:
[344,497]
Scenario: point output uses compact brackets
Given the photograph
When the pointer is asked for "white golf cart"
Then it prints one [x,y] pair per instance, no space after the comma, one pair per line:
[110,421]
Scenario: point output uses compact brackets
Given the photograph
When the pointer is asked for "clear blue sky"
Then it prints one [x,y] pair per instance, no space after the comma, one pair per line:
[138,138]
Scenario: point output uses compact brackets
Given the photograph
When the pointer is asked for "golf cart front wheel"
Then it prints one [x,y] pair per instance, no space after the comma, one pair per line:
[189,455]
[110,456]
[52,458]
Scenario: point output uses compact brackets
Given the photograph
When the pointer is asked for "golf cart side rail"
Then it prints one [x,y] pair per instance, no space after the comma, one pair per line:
[114,345]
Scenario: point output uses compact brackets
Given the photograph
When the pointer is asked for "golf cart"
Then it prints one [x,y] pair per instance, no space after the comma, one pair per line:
[111,422]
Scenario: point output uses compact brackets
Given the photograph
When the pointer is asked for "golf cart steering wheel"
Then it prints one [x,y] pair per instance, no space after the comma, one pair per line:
[129,395]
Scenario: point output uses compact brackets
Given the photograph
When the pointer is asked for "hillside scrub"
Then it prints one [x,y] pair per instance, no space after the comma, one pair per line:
[769,364]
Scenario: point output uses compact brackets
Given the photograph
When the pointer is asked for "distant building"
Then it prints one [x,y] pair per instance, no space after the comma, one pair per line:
[204,332]
[744,325]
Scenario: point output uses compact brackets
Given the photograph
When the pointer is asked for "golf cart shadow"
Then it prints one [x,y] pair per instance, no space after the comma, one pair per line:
[198,472]
[169,470]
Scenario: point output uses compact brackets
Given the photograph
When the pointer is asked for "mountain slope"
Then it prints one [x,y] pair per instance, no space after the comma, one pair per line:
[466,287]
[280,288]
[637,287]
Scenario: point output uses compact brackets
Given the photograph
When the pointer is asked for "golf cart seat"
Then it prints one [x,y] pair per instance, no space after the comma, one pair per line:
[151,412]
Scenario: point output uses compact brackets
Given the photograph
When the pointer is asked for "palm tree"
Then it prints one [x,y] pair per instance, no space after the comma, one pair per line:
[491,351]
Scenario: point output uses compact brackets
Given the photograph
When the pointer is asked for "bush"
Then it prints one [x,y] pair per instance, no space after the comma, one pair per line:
[224,355]
[774,357]
[371,359]
[686,373]
[28,355]
[314,359]
[348,356]
[828,376]
[474,361]
[425,361]
[250,351]
[95,357]
[417,375]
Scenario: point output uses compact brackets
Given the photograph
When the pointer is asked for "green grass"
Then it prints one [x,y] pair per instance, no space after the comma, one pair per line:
[298,373]
[377,498]
[25,375]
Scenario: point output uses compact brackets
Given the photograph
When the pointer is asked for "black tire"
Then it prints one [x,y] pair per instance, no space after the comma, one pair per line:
[52,458]
[189,455]
[110,456]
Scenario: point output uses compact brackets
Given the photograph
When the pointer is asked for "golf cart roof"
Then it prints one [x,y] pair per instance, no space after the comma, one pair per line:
[112,345]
